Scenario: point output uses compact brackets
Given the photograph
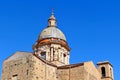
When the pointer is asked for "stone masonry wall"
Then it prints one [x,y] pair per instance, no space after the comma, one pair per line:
[20,68]
[75,73]
[43,71]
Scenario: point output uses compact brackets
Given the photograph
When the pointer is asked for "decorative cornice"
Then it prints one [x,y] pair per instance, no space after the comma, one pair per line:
[105,62]
[52,41]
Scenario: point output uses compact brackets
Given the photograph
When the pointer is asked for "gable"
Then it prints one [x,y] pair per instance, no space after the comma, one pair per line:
[17,55]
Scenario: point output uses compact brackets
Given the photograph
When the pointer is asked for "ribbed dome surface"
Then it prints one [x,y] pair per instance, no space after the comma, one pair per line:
[52,32]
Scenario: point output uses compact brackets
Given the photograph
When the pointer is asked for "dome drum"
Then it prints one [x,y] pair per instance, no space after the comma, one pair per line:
[52,41]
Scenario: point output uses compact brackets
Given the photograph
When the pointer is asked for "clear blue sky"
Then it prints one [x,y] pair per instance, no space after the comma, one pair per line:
[92,27]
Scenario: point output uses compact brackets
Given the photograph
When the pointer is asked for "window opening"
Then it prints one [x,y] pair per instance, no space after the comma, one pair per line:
[103,72]
[43,55]
[14,77]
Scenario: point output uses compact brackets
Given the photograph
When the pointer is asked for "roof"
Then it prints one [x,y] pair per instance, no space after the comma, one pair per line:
[52,32]
[70,66]
[18,55]
[104,62]
[52,17]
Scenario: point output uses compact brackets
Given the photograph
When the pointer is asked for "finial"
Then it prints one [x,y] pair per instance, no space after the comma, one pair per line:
[52,20]
[52,16]
[52,11]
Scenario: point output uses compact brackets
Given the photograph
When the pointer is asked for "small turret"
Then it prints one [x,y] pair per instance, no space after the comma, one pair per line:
[106,70]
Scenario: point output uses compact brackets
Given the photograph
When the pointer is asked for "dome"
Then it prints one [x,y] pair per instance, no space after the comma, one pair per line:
[52,32]
[51,35]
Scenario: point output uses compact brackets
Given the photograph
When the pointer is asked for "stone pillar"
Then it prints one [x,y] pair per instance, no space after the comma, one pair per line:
[55,54]
[51,53]
[59,55]
[47,55]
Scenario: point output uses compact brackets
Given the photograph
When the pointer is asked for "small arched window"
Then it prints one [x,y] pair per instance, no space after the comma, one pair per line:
[43,55]
[64,55]
[103,72]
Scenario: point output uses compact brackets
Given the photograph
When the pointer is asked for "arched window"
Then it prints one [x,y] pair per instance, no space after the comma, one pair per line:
[43,55]
[103,72]
[64,55]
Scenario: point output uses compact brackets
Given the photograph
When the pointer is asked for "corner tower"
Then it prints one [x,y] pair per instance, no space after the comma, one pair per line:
[52,45]
[106,70]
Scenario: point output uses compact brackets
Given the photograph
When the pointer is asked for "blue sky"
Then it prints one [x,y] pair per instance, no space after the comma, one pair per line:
[92,28]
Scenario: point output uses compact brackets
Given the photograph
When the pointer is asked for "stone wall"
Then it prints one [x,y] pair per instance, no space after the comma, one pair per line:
[24,66]
[71,73]
[91,72]
[43,71]
[83,71]
[19,68]
[28,68]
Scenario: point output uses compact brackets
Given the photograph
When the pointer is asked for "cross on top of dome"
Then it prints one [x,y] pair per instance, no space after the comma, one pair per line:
[52,20]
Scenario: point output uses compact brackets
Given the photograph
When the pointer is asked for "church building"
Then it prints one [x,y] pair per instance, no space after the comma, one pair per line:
[50,61]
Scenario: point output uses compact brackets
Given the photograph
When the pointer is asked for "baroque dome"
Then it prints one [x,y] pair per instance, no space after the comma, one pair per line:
[52,32]
[51,35]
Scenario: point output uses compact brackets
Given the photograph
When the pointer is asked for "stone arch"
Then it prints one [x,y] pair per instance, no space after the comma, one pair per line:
[103,71]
